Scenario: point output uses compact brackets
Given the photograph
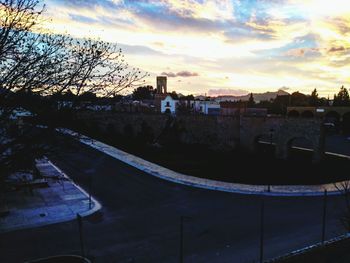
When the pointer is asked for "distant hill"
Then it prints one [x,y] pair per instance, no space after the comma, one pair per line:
[257,96]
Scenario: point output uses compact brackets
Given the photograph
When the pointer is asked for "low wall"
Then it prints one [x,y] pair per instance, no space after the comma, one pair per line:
[216,131]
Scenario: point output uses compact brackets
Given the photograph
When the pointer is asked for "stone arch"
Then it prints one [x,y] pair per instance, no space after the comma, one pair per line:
[307,114]
[293,114]
[315,144]
[333,117]
[346,123]
[262,143]
[295,144]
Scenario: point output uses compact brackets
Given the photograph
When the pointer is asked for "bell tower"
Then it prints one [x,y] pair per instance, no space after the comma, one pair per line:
[161,85]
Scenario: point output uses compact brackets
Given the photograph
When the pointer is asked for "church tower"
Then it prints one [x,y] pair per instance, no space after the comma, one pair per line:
[161,85]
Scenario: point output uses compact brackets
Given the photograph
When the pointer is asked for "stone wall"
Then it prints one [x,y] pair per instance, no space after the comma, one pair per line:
[282,131]
[220,132]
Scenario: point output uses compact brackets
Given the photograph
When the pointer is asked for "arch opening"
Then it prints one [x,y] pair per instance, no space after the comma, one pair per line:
[307,114]
[300,149]
[332,122]
[346,123]
[332,117]
[293,114]
[264,144]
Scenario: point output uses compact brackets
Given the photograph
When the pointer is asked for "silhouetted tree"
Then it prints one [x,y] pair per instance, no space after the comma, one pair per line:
[143,93]
[342,98]
[279,104]
[251,102]
[88,96]
[314,99]
[299,99]
[174,95]
[36,63]
[187,97]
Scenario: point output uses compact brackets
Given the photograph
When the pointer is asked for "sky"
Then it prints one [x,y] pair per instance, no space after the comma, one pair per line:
[221,47]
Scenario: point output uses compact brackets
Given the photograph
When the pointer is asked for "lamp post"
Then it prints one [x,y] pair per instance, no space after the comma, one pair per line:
[271,139]
[271,135]
[89,174]
[182,219]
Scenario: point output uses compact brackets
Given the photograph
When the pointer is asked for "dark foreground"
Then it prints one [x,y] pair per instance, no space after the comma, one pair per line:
[337,252]
[140,219]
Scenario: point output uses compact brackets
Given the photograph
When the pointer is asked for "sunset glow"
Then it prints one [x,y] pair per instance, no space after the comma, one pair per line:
[228,46]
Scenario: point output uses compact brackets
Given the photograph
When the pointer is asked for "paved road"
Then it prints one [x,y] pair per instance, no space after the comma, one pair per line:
[338,144]
[140,219]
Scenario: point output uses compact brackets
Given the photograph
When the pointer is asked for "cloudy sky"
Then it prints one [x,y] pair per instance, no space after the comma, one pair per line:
[222,46]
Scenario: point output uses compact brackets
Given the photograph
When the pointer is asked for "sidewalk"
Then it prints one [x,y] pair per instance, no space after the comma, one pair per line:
[61,201]
[169,175]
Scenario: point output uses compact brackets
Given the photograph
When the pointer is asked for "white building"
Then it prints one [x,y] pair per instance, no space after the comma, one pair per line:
[207,107]
[168,105]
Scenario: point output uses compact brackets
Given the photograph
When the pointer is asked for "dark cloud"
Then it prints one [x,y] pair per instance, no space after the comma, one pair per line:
[139,50]
[227,92]
[183,74]
[187,74]
[163,17]
[169,74]
[284,88]
[86,3]
[153,13]
[341,24]
[336,49]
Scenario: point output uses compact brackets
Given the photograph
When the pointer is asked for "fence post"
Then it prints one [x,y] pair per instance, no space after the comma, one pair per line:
[324,215]
[90,186]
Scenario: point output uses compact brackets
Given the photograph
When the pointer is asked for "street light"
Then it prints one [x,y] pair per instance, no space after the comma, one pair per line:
[182,219]
[271,135]
[271,138]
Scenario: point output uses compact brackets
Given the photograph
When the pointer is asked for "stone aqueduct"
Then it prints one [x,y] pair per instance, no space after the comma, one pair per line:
[338,114]
[282,132]
[221,131]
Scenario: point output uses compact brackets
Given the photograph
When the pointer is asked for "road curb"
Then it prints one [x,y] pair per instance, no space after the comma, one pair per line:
[60,257]
[169,175]
[96,204]
[307,249]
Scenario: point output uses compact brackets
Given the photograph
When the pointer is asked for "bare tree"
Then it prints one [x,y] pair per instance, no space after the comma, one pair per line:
[35,61]
[344,190]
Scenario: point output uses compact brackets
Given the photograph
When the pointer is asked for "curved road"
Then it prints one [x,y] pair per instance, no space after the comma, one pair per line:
[140,219]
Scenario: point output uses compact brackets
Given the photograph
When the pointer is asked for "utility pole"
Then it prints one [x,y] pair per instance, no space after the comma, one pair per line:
[262,215]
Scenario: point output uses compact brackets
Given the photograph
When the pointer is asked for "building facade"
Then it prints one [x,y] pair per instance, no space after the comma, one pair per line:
[169,105]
